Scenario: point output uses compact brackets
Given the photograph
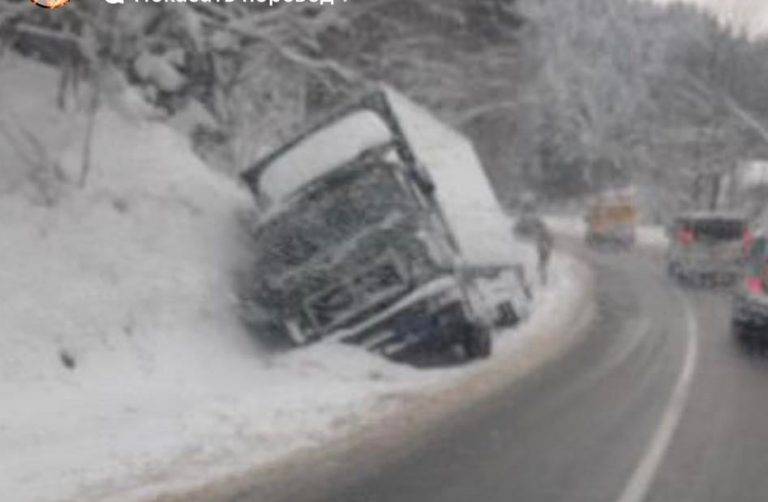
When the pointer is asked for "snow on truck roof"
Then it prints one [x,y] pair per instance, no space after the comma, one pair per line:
[360,120]
[321,152]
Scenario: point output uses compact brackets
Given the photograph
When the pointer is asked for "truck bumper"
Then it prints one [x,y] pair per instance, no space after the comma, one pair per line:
[430,319]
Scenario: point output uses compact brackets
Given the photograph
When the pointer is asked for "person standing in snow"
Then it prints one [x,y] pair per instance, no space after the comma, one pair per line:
[530,226]
[544,244]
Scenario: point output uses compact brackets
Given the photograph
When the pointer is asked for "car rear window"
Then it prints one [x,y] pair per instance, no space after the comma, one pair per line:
[716,228]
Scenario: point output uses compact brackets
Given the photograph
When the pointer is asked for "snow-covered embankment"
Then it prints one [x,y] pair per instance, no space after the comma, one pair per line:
[125,371]
[397,418]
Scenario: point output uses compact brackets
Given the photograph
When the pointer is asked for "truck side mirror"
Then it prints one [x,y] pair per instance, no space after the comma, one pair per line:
[426,186]
[423,181]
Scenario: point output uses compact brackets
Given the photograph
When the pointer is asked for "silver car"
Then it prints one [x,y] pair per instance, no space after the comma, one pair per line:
[707,248]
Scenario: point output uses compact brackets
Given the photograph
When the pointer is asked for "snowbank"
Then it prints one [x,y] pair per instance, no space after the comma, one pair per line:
[121,354]
[117,313]
[124,371]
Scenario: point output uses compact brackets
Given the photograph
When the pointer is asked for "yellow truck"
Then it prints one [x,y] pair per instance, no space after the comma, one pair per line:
[612,222]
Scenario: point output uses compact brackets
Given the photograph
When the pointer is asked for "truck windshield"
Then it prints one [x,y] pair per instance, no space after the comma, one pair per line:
[331,212]
[322,152]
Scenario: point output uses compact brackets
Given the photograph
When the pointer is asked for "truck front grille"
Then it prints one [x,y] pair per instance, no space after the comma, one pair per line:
[372,286]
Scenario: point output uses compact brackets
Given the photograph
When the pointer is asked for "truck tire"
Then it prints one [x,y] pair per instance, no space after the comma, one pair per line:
[477,342]
[507,315]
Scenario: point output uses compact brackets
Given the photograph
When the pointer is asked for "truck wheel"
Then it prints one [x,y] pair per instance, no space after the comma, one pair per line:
[507,315]
[477,342]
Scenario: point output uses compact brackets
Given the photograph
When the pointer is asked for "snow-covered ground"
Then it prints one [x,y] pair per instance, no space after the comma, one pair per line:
[124,371]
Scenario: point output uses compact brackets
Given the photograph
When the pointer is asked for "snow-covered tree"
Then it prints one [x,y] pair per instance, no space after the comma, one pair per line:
[630,92]
[240,76]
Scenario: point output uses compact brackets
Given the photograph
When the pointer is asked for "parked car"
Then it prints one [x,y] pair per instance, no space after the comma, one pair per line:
[379,227]
[612,222]
[707,248]
[749,317]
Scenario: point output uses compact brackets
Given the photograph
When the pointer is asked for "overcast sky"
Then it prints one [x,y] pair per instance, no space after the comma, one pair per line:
[751,14]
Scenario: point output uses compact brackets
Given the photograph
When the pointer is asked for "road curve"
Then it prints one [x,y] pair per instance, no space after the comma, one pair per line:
[657,403]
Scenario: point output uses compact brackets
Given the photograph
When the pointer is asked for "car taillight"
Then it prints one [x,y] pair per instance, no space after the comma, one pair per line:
[686,237]
[755,285]
[749,242]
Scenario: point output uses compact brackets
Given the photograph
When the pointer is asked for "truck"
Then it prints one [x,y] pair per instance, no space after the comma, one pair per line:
[612,220]
[378,226]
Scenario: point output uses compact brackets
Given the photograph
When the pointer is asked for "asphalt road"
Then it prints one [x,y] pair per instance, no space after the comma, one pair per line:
[658,403]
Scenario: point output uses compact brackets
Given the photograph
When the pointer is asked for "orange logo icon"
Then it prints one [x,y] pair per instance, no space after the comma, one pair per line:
[50,4]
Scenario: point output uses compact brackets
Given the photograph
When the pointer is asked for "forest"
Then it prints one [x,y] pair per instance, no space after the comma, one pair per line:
[563,98]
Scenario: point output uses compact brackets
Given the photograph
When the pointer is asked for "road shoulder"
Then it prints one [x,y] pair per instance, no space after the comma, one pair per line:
[559,323]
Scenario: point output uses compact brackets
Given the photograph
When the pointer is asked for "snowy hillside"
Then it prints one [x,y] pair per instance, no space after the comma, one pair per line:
[120,346]
[149,245]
